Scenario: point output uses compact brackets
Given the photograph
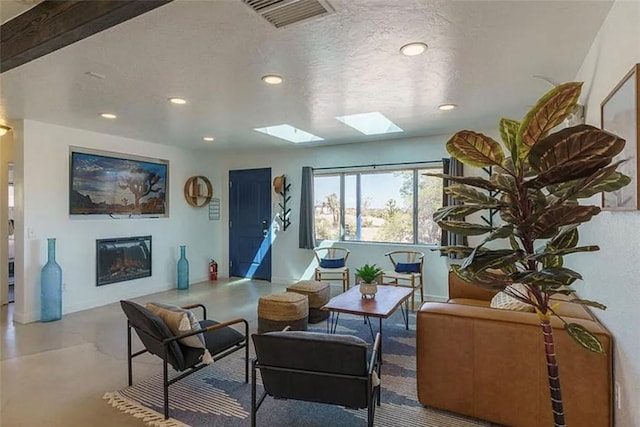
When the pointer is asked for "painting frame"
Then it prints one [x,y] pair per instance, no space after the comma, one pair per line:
[620,114]
[117,185]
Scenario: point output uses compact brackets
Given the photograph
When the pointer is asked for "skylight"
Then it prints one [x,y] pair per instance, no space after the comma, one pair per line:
[370,123]
[289,133]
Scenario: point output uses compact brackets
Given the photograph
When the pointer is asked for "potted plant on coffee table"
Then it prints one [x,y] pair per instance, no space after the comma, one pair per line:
[537,178]
[368,275]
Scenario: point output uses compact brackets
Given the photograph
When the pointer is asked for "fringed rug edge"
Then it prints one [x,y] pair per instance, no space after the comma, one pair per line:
[148,416]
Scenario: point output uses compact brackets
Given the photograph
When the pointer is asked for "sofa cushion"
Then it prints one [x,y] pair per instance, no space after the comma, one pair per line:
[179,321]
[504,301]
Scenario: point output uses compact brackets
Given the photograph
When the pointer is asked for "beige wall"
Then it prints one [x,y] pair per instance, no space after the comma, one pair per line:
[6,156]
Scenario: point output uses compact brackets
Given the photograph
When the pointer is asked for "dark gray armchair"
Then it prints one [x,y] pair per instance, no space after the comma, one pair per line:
[317,367]
[221,340]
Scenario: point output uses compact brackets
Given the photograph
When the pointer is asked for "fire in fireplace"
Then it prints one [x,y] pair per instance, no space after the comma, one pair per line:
[122,259]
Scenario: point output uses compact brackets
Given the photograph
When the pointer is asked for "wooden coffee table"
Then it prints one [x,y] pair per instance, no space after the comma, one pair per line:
[387,300]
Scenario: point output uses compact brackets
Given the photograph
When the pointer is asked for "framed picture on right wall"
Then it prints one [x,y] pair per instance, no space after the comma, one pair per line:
[620,114]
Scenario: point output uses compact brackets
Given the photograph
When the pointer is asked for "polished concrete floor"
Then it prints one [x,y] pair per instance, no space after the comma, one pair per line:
[55,374]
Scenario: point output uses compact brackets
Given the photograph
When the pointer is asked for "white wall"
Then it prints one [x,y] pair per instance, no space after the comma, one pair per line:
[289,263]
[42,189]
[6,157]
[612,275]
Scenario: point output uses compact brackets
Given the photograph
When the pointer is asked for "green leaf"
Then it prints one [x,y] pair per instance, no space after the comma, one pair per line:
[508,212]
[567,238]
[504,182]
[574,144]
[590,303]
[552,261]
[552,277]
[538,200]
[573,189]
[549,112]
[473,181]
[499,233]
[467,194]
[464,228]
[514,243]
[508,132]
[484,279]
[586,339]
[458,211]
[567,251]
[493,259]
[609,184]
[457,250]
[567,172]
[546,223]
[475,149]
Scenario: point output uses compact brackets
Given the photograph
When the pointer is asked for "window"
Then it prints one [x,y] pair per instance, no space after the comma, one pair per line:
[378,206]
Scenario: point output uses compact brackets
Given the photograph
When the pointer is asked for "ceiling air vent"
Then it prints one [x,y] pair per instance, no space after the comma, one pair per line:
[281,13]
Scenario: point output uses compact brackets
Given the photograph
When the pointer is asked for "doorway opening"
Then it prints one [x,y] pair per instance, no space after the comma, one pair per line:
[11,243]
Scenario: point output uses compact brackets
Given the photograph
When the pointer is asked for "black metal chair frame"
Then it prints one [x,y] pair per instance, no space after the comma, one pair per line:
[165,356]
[373,393]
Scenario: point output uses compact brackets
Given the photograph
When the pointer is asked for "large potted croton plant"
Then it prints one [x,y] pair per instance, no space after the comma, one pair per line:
[536,181]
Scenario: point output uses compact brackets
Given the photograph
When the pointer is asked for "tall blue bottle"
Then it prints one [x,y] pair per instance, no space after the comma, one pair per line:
[51,286]
[183,270]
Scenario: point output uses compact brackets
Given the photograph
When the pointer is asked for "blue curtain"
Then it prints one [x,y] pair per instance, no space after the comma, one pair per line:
[307,232]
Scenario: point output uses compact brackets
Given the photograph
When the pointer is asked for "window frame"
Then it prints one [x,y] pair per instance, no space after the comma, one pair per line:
[357,172]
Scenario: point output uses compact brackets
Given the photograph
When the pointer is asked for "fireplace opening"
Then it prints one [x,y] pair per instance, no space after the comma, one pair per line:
[122,259]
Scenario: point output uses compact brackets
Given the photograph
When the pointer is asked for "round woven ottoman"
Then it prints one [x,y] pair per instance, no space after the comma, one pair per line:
[318,294]
[277,311]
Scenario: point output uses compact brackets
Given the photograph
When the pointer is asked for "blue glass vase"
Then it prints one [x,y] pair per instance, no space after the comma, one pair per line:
[51,286]
[183,270]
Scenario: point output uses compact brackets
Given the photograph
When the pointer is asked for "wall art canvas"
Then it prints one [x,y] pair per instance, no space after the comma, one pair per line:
[620,114]
[105,183]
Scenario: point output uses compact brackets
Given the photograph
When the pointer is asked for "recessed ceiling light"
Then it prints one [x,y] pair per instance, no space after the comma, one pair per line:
[208,138]
[289,133]
[179,101]
[272,79]
[413,49]
[446,107]
[108,116]
[370,123]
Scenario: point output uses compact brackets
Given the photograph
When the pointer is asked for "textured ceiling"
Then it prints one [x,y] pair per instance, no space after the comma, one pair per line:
[482,56]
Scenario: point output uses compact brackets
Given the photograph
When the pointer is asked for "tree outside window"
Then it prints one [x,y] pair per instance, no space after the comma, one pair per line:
[384,210]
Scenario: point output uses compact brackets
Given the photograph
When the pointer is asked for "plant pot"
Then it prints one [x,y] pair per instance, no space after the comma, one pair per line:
[368,290]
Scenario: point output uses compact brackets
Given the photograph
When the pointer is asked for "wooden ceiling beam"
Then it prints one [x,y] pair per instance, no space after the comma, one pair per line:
[52,25]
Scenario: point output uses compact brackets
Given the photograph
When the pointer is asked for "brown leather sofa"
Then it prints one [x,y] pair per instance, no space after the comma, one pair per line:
[489,363]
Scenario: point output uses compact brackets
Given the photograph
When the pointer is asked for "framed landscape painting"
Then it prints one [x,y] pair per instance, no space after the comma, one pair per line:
[104,183]
[620,114]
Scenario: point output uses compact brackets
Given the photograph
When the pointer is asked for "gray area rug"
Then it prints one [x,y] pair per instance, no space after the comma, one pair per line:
[217,395]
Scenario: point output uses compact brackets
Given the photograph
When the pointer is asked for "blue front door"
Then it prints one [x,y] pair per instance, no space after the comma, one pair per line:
[250,223]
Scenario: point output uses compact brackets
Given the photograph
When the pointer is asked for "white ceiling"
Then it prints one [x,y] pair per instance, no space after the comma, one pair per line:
[482,56]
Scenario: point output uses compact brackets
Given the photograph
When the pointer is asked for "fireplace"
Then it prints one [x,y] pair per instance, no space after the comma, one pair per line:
[122,259]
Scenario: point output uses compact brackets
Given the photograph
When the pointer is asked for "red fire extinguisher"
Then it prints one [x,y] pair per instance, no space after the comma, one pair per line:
[213,270]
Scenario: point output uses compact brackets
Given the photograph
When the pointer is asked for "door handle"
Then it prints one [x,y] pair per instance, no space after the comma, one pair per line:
[265,228]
